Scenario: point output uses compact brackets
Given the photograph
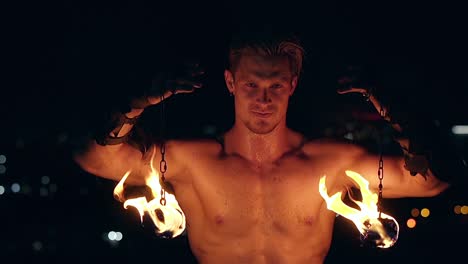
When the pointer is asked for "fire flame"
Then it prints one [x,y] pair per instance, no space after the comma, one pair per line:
[169,219]
[373,225]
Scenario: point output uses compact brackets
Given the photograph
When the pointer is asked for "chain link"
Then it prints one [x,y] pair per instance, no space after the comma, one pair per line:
[380,171]
[162,163]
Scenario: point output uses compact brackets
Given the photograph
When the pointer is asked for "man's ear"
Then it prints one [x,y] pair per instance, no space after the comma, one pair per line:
[293,85]
[229,79]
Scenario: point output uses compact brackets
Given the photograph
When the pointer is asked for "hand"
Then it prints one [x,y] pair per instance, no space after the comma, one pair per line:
[354,81]
[183,79]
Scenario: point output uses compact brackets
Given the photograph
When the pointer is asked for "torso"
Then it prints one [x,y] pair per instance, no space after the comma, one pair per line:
[238,213]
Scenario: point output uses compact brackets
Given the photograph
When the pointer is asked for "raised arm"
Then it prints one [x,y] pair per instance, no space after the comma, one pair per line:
[397,181]
[109,154]
[429,163]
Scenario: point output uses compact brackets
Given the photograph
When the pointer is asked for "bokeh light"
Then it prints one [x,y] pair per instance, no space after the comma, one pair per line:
[415,212]
[425,212]
[45,180]
[411,223]
[464,209]
[15,187]
[37,245]
[118,236]
[457,209]
[112,235]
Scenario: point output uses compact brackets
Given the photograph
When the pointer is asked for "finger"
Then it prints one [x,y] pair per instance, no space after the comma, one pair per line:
[183,86]
[345,90]
[186,82]
[178,89]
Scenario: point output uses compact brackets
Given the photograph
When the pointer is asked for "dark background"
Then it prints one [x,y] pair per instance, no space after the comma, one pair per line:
[68,62]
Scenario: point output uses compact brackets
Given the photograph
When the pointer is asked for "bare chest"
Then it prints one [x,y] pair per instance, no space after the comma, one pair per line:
[236,197]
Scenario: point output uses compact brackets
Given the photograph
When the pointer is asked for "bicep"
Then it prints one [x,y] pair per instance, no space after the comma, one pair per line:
[397,182]
[170,160]
[110,162]
[114,161]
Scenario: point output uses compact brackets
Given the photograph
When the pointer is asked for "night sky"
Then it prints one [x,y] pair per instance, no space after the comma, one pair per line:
[69,62]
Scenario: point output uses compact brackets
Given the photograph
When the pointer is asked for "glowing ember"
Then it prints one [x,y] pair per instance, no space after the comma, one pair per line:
[168,219]
[376,228]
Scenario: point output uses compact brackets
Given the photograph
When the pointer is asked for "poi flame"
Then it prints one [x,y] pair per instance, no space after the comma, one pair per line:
[375,227]
[169,219]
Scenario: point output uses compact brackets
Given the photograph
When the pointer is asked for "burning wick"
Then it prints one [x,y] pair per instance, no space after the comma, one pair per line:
[169,219]
[376,228]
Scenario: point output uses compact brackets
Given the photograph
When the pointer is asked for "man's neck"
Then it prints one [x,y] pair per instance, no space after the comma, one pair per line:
[258,148]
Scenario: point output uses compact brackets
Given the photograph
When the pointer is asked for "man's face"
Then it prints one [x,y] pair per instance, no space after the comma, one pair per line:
[261,86]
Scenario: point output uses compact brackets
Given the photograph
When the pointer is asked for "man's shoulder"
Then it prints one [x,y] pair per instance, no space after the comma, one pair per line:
[204,145]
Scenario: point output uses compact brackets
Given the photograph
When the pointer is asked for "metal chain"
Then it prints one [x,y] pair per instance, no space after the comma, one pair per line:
[380,171]
[162,163]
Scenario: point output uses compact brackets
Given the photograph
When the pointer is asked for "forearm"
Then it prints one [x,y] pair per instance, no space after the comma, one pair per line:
[430,159]
[417,186]
[427,150]
[108,153]
[120,127]
[112,152]
[127,127]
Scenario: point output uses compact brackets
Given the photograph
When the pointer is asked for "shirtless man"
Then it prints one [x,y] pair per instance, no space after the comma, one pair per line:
[254,197]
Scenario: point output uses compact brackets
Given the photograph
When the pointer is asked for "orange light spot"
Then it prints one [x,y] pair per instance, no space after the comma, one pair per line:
[415,212]
[425,212]
[464,209]
[457,209]
[411,223]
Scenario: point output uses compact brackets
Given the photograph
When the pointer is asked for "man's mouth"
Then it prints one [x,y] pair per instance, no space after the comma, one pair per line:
[262,114]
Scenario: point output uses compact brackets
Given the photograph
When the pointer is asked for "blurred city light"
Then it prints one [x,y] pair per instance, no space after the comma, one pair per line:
[464,209]
[460,130]
[425,212]
[114,236]
[45,180]
[415,212]
[111,235]
[457,209]
[349,136]
[411,223]
[2,169]
[2,190]
[37,246]
[2,159]
[15,187]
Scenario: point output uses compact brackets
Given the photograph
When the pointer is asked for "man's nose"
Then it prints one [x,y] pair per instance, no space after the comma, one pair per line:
[264,97]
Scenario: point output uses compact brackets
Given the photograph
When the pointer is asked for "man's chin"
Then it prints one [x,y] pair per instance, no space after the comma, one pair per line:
[261,129]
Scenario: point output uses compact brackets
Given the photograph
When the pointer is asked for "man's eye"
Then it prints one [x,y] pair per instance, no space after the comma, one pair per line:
[276,86]
[251,85]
